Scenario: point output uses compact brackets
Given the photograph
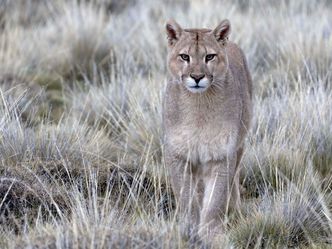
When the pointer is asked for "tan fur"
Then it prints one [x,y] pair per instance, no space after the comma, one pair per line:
[205,130]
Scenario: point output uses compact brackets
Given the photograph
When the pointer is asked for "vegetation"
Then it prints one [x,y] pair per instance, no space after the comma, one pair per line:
[81,86]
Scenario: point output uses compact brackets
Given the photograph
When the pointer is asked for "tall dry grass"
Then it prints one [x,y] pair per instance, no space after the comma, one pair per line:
[81,86]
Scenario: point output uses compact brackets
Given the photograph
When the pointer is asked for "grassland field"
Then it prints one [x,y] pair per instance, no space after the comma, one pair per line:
[81,85]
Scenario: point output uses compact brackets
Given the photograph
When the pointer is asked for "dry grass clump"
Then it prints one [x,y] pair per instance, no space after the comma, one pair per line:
[125,214]
[130,112]
[291,218]
[23,12]
[65,141]
[291,137]
[91,227]
[81,133]
[24,199]
[71,43]
[81,37]
[322,156]
[72,40]
[42,164]
[22,98]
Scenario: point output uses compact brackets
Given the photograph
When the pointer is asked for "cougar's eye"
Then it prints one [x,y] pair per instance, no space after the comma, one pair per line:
[209,57]
[184,57]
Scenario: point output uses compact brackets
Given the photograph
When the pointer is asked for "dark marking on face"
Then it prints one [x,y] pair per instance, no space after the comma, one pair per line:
[197,42]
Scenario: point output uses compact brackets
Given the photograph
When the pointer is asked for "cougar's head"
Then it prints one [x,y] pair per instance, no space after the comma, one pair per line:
[197,57]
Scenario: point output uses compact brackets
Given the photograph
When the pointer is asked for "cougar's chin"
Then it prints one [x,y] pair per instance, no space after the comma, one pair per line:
[197,89]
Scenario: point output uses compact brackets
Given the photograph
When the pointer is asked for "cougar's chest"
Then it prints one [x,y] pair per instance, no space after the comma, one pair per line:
[203,136]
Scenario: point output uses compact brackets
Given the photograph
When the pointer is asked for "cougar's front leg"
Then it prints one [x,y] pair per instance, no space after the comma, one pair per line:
[184,185]
[235,201]
[218,179]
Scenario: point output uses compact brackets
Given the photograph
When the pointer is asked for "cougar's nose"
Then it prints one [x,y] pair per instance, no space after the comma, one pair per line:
[197,77]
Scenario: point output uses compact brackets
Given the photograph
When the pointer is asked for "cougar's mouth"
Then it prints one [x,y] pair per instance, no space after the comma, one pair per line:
[197,89]
[197,86]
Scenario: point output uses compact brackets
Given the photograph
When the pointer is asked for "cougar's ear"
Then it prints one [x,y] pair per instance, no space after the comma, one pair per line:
[222,31]
[174,31]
